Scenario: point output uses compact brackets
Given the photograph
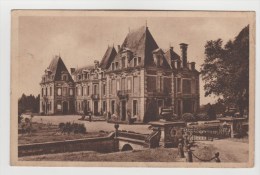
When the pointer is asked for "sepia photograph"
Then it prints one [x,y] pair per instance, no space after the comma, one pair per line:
[132,88]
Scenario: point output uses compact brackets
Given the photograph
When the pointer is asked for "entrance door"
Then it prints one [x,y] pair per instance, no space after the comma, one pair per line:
[65,107]
[123,117]
[187,107]
[95,107]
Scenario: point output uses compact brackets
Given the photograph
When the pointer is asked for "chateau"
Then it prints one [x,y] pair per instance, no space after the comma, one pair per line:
[135,80]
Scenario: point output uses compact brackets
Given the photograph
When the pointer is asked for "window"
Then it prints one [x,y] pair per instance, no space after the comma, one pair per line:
[59,106]
[50,106]
[59,91]
[113,107]
[135,107]
[178,84]
[136,85]
[186,85]
[64,77]
[104,106]
[129,84]
[82,91]
[113,86]
[123,84]
[123,62]
[46,91]
[95,89]
[79,77]
[139,60]
[116,65]
[85,90]
[104,89]
[42,92]
[88,89]
[79,89]
[50,91]
[135,61]
[71,91]
[117,85]
[151,83]
[64,91]
[160,83]
[113,66]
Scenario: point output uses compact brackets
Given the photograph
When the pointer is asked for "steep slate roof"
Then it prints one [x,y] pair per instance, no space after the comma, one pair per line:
[170,56]
[56,67]
[79,70]
[108,57]
[141,43]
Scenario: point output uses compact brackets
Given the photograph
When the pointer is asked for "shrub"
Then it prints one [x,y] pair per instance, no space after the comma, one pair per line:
[74,127]
[188,117]
[202,117]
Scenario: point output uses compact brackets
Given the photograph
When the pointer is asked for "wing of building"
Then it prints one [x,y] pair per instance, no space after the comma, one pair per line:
[136,81]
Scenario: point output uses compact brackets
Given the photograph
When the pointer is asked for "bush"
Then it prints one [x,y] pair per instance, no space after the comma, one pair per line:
[74,127]
[188,117]
[202,117]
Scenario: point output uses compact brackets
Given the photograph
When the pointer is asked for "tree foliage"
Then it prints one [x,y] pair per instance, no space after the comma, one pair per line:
[28,103]
[225,70]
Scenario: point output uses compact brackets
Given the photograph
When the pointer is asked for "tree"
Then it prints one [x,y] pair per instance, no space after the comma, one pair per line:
[225,70]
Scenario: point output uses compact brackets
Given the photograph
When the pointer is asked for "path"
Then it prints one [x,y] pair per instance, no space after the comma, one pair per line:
[230,151]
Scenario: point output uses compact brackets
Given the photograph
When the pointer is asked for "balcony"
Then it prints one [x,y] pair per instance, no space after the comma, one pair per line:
[95,96]
[123,94]
[159,93]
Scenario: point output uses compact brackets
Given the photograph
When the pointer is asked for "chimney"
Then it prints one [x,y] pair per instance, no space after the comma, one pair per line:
[96,62]
[184,47]
[118,48]
[72,70]
[192,65]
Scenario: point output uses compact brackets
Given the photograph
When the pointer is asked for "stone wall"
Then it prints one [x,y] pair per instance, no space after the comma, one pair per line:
[102,144]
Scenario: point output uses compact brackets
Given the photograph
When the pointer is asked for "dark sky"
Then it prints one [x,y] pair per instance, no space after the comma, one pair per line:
[81,38]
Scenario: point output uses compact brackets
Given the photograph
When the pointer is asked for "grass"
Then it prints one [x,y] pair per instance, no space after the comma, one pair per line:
[49,133]
[146,155]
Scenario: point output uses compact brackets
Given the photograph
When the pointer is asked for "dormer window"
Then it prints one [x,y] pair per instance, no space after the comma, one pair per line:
[116,65]
[158,60]
[139,60]
[113,66]
[64,77]
[123,62]
[135,61]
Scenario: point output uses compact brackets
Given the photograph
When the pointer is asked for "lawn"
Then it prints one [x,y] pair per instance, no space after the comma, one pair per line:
[43,132]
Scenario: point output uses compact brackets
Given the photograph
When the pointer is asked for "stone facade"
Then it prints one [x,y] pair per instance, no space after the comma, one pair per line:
[135,81]
[57,89]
